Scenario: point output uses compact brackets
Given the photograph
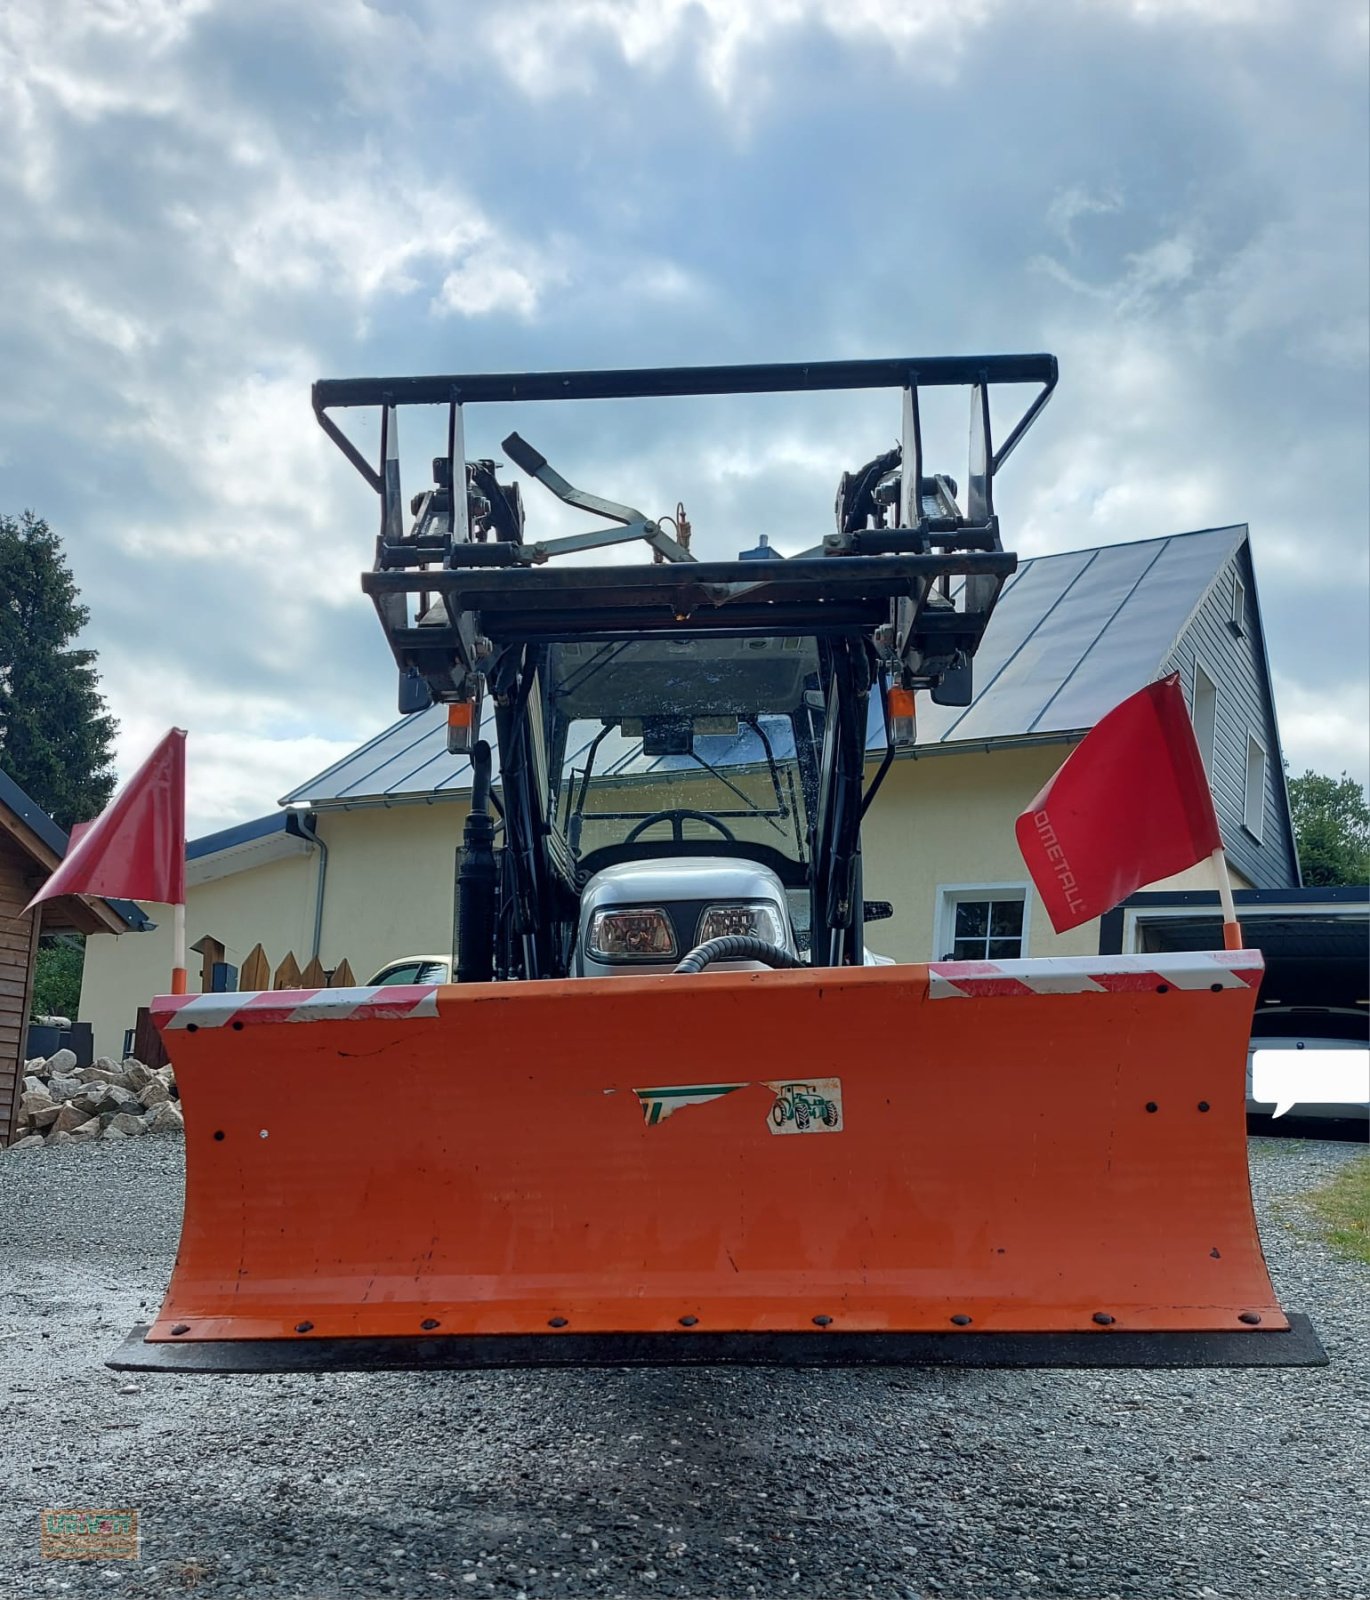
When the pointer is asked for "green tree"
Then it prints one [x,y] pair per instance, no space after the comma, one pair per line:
[55,729]
[1332,827]
[57,976]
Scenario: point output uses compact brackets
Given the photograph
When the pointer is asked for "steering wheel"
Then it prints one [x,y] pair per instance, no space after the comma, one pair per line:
[677,820]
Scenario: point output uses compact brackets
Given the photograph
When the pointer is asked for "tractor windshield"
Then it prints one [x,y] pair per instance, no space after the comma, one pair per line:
[664,741]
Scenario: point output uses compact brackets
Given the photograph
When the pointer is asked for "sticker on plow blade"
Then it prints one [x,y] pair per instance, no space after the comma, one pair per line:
[658,1104]
[812,1107]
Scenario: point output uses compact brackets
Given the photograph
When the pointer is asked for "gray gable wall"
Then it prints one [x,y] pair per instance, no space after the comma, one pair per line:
[1236,664]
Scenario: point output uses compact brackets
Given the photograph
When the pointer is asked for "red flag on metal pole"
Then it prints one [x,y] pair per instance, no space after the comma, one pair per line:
[136,848]
[1130,805]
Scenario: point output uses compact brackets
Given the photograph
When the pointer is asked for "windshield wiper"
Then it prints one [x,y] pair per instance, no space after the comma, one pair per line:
[741,794]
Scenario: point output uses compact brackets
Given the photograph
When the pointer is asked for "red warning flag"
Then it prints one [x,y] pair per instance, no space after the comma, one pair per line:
[136,848]
[1130,805]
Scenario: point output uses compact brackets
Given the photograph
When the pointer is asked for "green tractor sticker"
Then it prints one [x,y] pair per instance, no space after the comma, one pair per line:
[813,1107]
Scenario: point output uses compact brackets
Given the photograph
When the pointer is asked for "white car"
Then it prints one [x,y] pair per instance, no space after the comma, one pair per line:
[416,969]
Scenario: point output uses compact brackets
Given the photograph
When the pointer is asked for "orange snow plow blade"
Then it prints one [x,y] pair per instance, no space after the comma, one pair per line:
[1031,1148]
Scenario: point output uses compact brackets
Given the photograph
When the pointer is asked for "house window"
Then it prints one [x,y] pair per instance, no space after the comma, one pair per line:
[1253,808]
[982,922]
[1205,716]
[1237,621]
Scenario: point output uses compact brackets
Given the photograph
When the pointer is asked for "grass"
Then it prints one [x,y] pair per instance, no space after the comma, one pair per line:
[1342,1210]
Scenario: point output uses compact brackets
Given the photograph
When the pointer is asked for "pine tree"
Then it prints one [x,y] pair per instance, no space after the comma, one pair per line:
[55,729]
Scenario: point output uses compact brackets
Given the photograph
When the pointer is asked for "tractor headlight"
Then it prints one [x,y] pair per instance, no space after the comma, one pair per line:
[642,934]
[757,919]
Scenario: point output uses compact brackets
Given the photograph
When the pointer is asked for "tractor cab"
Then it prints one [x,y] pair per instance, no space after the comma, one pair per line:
[683,769]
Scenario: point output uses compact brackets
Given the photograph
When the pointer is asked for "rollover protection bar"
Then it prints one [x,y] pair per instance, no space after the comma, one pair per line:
[634,383]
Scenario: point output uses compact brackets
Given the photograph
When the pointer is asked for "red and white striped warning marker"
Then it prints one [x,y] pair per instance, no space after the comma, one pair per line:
[386,1002]
[1192,970]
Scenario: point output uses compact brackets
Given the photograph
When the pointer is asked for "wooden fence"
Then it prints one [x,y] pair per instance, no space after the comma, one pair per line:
[256,973]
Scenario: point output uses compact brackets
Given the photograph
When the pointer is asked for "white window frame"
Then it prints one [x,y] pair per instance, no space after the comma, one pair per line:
[1257,831]
[1237,616]
[949,896]
[1207,755]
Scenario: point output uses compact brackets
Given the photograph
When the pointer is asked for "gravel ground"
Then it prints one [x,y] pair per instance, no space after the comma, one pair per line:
[696,1483]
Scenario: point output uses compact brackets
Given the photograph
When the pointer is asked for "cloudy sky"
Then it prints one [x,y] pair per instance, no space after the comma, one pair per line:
[206,204]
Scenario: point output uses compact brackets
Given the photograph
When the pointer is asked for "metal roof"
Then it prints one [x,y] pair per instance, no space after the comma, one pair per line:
[249,844]
[243,833]
[1074,634]
[1070,637]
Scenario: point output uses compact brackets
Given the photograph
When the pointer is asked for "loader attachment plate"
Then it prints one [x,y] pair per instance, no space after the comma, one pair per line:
[737,1166]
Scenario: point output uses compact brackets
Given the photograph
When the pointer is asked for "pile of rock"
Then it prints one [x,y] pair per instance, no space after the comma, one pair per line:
[66,1104]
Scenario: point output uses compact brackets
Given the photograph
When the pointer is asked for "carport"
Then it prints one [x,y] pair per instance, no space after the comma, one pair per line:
[31,845]
[1316,942]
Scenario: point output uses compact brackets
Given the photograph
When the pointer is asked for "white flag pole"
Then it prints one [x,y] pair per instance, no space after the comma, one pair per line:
[178,949]
[1232,929]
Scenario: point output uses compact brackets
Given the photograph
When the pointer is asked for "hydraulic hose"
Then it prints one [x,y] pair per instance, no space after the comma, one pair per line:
[737,947]
[476,879]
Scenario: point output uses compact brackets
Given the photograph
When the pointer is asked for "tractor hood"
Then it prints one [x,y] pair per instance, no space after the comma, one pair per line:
[684,889]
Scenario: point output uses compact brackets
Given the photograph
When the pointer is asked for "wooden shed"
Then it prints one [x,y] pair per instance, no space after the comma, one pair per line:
[31,845]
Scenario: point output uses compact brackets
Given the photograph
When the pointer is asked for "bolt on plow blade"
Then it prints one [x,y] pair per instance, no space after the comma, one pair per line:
[1031,1163]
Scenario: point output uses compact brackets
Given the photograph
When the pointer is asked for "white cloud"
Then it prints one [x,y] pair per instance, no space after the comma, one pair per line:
[1141,279]
[546,45]
[483,283]
[1325,728]
[361,235]
[1267,13]
[1073,203]
[77,313]
[83,60]
[265,507]
[232,776]
[242,750]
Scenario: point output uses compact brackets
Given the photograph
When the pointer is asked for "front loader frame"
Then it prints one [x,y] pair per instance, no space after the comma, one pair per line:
[467,532]
[467,602]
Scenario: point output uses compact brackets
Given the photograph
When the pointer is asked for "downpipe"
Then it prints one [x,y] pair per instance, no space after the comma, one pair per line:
[306,822]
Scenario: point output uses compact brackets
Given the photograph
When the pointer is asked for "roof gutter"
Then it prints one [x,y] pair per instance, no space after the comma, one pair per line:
[987,747]
[381,802]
